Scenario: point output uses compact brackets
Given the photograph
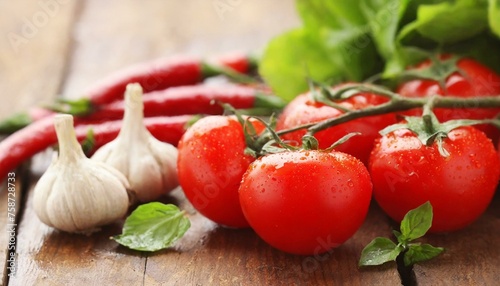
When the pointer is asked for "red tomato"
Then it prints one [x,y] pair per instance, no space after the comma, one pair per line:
[210,165]
[406,174]
[303,109]
[478,80]
[306,202]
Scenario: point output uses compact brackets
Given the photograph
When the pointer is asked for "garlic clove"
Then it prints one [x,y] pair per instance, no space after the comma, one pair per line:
[40,197]
[77,194]
[167,162]
[148,164]
[73,211]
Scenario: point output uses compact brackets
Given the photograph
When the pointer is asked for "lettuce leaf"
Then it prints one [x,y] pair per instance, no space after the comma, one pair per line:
[292,58]
[494,16]
[352,40]
[448,22]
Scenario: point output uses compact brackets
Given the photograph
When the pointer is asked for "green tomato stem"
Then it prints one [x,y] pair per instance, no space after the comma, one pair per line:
[397,103]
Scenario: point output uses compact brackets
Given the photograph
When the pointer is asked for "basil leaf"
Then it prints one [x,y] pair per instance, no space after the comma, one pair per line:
[399,237]
[153,226]
[379,251]
[420,252]
[417,222]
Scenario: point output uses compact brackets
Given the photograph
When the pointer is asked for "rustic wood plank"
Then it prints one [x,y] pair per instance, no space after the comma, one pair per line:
[471,257]
[49,257]
[33,51]
[105,44]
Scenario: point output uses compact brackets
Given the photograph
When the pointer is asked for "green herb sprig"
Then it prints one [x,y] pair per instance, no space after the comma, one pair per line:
[414,225]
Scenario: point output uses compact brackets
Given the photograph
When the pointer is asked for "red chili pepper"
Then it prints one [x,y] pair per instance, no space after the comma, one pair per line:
[163,73]
[154,75]
[196,99]
[158,74]
[27,142]
[238,61]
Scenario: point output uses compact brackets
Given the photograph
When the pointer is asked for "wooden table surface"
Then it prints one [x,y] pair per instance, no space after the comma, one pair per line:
[53,48]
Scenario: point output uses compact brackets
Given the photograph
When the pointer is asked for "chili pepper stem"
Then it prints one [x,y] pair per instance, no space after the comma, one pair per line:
[14,123]
[209,70]
[78,107]
[268,101]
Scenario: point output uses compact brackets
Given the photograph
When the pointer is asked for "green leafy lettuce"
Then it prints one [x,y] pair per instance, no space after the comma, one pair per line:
[353,40]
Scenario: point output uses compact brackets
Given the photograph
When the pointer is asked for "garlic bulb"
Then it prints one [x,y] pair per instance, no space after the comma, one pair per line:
[148,164]
[77,194]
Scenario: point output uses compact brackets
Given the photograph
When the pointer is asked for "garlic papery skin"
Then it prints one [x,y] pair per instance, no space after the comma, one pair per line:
[148,164]
[77,194]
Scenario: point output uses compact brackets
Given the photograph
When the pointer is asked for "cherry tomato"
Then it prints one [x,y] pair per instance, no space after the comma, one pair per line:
[303,109]
[210,165]
[475,80]
[306,202]
[406,174]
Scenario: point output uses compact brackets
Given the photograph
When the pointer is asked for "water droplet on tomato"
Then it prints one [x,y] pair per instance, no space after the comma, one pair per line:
[350,183]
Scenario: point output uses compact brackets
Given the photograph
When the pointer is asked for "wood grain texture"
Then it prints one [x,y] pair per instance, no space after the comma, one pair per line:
[33,51]
[115,34]
[49,257]
[471,257]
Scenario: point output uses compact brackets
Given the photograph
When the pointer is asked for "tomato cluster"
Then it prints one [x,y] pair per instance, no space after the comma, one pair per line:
[310,201]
